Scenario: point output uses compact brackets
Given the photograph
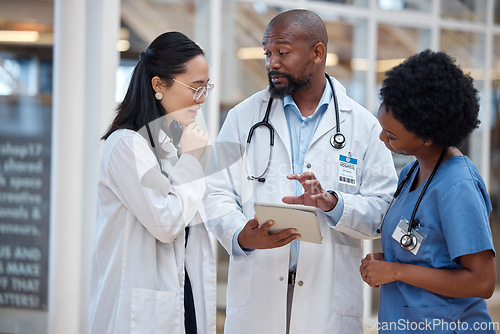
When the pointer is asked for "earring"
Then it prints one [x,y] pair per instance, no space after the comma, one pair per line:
[159,96]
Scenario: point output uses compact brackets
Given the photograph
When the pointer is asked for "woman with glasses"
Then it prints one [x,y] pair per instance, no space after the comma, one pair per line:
[153,269]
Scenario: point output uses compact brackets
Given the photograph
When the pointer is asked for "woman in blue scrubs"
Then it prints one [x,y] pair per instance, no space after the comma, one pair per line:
[437,266]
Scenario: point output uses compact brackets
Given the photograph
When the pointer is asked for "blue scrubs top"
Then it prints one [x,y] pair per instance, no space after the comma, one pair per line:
[453,216]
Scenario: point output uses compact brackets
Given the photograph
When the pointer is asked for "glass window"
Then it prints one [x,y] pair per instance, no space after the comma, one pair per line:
[465,10]
[25,171]
[347,43]
[16,75]
[141,25]
[395,44]
[347,48]
[497,12]
[243,55]
[494,184]
[468,50]
[123,76]
[359,3]
[417,5]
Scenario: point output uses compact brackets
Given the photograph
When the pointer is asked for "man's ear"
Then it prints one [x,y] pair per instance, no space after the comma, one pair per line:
[319,51]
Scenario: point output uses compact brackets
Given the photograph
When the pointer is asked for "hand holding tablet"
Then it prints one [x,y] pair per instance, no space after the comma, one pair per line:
[300,217]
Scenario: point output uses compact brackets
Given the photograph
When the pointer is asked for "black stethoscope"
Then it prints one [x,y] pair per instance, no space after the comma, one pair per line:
[337,140]
[409,241]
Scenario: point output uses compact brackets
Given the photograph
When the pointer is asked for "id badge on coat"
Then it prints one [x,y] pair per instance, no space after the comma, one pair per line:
[347,169]
[402,229]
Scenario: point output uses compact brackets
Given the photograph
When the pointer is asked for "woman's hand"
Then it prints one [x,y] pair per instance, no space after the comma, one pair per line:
[375,270]
[194,140]
[476,278]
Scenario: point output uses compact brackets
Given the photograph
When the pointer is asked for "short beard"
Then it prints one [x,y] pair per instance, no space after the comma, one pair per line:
[293,84]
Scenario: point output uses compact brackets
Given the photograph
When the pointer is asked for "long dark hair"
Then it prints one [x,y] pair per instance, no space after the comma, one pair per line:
[165,57]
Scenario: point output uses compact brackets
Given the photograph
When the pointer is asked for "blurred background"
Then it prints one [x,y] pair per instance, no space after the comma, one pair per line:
[65,64]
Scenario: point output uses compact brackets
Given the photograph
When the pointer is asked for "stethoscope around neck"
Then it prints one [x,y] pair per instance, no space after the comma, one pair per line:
[337,140]
[409,241]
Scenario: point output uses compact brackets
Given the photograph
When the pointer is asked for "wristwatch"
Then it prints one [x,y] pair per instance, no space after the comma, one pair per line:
[336,196]
[333,193]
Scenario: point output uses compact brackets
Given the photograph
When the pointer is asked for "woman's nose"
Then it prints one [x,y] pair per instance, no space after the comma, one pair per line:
[383,136]
[200,100]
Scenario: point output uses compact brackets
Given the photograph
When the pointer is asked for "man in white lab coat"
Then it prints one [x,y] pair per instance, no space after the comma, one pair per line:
[277,284]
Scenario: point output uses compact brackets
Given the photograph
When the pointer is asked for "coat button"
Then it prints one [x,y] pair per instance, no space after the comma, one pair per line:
[300,283]
[308,165]
[282,278]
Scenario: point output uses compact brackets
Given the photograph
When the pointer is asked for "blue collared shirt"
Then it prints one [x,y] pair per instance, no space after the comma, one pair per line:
[301,130]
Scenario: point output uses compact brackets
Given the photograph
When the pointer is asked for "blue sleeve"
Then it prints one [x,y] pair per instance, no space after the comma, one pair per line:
[237,250]
[335,214]
[464,211]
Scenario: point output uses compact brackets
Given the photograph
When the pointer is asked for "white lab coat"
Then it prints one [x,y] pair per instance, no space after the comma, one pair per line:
[328,295]
[137,276]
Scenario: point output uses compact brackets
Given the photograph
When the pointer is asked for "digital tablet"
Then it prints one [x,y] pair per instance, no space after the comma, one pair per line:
[302,218]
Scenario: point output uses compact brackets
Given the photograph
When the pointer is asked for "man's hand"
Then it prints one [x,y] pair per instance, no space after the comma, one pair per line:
[314,194]
[253,236]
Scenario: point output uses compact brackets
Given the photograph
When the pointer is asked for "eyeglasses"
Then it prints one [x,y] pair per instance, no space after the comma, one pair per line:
[198,92]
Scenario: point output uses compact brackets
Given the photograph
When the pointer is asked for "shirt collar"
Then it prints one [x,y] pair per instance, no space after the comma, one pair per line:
[289,103]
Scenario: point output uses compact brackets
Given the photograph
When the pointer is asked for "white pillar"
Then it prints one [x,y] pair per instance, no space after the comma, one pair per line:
[102,59]
[65,265]
[488,92]
[85,62]
[103,25]
[215,66]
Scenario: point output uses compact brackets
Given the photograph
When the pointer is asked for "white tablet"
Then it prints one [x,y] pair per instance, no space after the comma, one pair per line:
[300,217]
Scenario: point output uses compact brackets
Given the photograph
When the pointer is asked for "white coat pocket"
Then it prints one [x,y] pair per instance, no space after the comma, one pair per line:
[155,312]
[348,286]
[239,281]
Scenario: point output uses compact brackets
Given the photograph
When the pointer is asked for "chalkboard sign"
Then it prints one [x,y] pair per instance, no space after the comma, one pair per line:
[25,140]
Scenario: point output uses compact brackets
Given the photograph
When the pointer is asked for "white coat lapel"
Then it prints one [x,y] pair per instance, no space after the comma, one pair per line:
[328,122]
[278,121]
